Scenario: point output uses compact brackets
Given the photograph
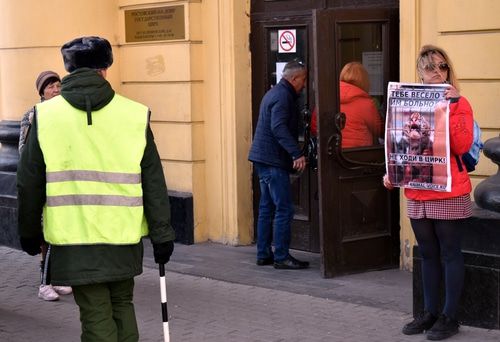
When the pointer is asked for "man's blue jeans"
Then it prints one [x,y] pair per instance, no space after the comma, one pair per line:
[275,203]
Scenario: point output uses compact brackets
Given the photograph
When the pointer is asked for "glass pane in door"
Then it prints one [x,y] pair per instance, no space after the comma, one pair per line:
[363,43]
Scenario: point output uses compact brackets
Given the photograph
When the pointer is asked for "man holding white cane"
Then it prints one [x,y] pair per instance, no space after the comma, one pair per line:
[91,164]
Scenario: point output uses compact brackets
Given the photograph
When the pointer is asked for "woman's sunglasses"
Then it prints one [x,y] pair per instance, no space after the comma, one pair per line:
[440,66]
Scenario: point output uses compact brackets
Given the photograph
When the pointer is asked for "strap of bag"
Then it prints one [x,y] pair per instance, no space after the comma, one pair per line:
[459,163]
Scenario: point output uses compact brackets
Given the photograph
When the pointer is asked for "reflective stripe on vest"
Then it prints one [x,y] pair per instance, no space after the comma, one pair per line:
[93,172]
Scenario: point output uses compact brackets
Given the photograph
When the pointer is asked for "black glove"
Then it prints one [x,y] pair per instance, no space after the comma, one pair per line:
[163,251]
[32,246]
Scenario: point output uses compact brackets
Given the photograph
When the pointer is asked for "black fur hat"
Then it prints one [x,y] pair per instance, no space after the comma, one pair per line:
[89,52]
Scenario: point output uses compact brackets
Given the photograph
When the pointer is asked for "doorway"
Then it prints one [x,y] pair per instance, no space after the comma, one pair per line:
[268,59]
[342,210]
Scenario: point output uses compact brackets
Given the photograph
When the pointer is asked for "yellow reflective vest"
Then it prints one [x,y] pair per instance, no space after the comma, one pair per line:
[93,172]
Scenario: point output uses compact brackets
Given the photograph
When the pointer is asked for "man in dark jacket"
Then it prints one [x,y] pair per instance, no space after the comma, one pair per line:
[275,153]
[91,164]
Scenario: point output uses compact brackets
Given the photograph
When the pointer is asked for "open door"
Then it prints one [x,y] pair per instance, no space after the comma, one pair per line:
[359,219]
[266,61]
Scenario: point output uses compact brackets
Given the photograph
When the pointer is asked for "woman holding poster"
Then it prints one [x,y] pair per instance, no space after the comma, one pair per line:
[436,216]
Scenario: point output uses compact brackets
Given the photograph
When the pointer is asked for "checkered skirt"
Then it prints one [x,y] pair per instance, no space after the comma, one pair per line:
[454,208]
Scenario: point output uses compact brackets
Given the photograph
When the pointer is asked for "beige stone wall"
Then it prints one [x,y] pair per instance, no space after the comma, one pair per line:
[198,88]
[228,128]
[168,77]
[469,32]
[31,34]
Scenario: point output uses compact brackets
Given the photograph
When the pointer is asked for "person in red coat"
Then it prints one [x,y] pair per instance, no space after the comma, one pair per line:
[363,122]
[436,217]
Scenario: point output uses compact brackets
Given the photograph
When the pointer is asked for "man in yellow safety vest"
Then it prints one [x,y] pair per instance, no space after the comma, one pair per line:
[90,164]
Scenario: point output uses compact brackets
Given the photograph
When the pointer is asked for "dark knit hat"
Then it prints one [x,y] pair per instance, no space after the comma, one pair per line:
[44,79]
[89,52]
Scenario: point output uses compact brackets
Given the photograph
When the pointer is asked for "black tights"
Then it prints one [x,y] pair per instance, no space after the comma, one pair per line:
[439,240]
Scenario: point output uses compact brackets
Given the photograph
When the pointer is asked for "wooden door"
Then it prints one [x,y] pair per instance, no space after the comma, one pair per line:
[359,219]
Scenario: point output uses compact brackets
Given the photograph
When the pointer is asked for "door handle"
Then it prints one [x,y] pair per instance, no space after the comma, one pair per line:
[335,148]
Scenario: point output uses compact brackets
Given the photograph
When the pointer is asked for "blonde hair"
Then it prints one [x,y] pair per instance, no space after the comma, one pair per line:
[425,57]
[356,74]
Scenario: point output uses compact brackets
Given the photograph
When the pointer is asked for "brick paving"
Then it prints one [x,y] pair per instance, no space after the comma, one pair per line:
[217,293]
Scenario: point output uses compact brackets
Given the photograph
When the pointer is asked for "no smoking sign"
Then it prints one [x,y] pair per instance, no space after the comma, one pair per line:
[287,41]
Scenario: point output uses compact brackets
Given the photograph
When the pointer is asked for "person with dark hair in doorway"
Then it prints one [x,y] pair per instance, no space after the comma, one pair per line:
[48,85]
[275,153]
[437,217]
[91,164]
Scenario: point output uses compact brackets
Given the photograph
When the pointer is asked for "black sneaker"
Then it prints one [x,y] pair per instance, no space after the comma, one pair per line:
[443,328]
[290,263]
[266,261]
[419,324]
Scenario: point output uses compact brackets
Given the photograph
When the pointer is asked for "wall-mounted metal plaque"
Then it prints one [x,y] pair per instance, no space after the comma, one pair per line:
[155,23]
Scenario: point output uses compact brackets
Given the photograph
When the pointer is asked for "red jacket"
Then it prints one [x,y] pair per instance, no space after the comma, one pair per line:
[363,123]
[461,136]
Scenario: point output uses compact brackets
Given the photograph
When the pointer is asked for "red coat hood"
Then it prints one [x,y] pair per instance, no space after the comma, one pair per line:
[350,93]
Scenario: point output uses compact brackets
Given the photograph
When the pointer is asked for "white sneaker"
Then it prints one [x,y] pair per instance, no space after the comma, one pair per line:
[63,290]
[46,292]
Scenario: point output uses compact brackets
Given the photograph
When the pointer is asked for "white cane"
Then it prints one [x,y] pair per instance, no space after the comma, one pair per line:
[164,311]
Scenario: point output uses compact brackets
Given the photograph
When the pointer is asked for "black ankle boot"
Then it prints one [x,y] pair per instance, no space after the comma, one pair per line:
[419,324]
[443,328]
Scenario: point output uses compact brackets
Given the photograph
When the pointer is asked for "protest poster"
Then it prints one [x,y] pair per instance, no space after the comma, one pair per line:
[416,136]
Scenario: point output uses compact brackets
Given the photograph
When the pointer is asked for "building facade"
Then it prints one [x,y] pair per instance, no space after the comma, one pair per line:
[201,66]
[197,86]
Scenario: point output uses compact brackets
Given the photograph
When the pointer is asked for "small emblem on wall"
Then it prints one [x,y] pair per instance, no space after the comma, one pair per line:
[155,65]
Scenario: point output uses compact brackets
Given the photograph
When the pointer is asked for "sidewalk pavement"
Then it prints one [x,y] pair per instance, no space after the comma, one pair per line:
[216,293]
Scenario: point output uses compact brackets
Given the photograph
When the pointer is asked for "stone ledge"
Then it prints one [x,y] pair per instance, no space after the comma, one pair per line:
[181,218]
